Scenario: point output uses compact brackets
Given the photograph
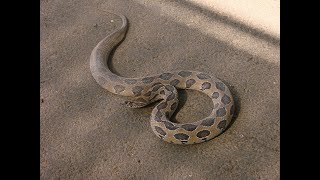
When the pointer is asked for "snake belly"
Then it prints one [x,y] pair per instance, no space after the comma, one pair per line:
[163,87]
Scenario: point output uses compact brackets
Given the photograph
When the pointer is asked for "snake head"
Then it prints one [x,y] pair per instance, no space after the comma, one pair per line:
[134,104]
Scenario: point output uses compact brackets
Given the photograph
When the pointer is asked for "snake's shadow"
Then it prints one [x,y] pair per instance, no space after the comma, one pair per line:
[182,100]
[237,105]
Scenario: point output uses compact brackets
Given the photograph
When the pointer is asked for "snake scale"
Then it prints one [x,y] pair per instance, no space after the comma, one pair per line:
[163,87]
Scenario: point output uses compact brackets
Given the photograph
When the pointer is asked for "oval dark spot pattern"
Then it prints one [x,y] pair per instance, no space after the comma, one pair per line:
[203,133]
[155,84]
[166,76]
[130,81]
[190,82]
[170,88]
[157,117]
[221,112]
[169,125]
[215,95]
[174,82]
[160,131]
[181,136]
[208,122]
[225,99]
[220,86]
[155,88]
[189,127]
[203,76]
[119,88]
[184,73]
[174,106]
[137,90]
[170,97]
[162,92]
[205,86]
[147,80]
[222,124]
[162,105]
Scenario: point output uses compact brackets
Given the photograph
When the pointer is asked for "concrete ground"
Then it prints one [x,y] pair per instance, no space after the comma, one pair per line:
[86,132]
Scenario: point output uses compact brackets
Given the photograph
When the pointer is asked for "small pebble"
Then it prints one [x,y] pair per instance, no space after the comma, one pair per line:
[95,25]
[111,21]
[42,100]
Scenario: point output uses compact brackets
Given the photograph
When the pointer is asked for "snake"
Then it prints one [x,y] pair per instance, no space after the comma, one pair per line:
[163,87]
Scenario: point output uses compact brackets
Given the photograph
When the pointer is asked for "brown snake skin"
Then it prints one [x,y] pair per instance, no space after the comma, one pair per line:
[146,90]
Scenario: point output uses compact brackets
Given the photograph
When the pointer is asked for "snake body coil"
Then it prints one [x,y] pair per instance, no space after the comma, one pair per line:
[164,87]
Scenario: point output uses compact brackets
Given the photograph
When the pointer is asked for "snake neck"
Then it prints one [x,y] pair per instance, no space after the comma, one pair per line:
[100,54]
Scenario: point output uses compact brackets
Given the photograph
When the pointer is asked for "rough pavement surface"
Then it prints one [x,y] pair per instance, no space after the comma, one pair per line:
[87,132]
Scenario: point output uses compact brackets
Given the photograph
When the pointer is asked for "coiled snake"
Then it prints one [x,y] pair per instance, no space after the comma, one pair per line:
[146,90]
